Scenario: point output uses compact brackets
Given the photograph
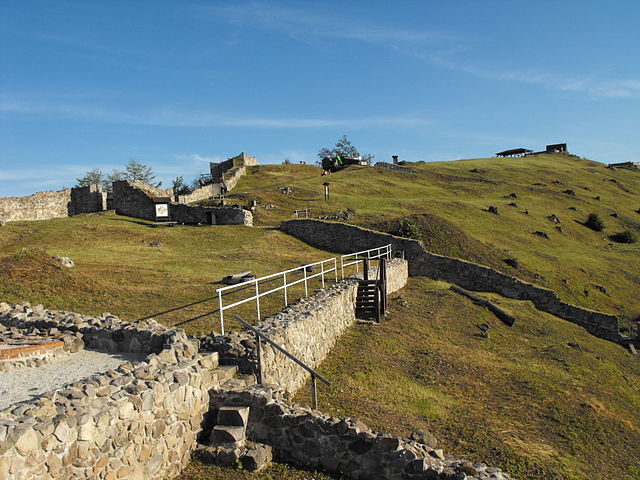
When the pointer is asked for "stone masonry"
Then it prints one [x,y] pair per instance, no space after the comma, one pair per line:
[340,237]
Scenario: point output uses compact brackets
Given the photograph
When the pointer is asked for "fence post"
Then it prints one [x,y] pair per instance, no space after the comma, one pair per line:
[284,275]
[259,354]
[304,271]
[322,272]
[342,267]
[257,300]
[221,313]
[314,392]
[335,267]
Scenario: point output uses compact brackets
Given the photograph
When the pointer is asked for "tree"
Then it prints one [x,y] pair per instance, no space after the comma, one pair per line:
[141,173]
[344,148]
[94,176]
[114,176]
[180,187]
[286,161]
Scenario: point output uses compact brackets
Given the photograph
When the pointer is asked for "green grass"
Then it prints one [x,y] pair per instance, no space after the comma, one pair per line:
[454,198]
[542,399]
[277,471]
[117,271]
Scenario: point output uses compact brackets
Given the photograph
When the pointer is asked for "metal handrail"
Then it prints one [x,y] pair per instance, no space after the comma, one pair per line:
[261,336]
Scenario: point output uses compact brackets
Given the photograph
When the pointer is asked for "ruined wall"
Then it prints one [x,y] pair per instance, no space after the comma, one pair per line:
[201,193]
[88,199]
[53,204]
[230,179]
[138,421]
[344,446]
[307,329]
[229,172]
[131,200]
[339,237]
[393,166]
[190,214]
[39,206]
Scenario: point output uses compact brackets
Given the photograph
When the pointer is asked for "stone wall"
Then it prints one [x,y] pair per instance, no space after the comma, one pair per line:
[307,329]
[88,199]
[139,421]
[201,193]
[339,237]
[190,214]
[53,204]
[343,446]
[393,166]
[39,206]
[131,200]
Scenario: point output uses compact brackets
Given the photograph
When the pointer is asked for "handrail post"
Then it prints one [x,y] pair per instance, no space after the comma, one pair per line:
[259,354]
[257,300]
[335,267]
[284,276]
[304,271]
[314,392]
[342,266]
[221,312]
[322,272]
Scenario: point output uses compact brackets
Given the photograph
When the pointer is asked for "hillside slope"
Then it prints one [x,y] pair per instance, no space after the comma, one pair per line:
[574,261]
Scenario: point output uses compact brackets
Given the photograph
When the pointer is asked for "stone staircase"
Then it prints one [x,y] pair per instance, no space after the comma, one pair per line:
[227,444]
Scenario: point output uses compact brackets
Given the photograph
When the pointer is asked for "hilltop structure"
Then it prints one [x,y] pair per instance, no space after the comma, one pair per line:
[523,152]
[626,165]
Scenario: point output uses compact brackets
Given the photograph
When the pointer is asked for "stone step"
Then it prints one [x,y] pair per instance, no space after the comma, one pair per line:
[227,434]
[233,416]
[226,372]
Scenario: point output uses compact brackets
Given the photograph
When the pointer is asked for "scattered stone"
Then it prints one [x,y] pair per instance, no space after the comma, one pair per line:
[493,209]
[541,234]
[573,208]
[614,215]
[553,218]
[155,243]
[540,184]
[257,457]
[597,198]
[526,212]
[512,262]
[64,261]
[511,195]
[600,288]
[570,192]
[477,170]
[512,204]
[426,438]
[559,228]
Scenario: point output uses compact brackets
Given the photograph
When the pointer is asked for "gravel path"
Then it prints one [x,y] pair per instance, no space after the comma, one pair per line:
[20,384]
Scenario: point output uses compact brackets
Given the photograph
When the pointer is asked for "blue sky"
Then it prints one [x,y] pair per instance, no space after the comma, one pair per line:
[175,85]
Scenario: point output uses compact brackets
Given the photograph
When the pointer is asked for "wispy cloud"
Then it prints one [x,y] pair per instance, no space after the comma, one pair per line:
[170,117]
[444,49]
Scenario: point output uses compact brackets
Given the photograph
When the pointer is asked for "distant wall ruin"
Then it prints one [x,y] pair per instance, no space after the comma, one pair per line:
[342,238]
[54,204]
[131,199]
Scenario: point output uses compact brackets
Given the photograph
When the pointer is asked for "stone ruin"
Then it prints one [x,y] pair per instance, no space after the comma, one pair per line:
[137,199]
[147,419]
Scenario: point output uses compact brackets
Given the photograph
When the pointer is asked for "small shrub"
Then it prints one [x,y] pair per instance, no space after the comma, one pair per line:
[409,229]
[624,237]
[594,222]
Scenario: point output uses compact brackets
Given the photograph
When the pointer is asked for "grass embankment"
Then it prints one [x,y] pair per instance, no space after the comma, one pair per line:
[119,272]
[277,471]
[542,399]
[458,193]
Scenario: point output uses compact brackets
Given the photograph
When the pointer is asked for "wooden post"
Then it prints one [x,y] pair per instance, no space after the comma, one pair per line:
[366,269]
[259,354]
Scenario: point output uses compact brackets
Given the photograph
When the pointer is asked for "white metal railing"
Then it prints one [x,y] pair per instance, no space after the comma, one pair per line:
[380,252]
[326,267]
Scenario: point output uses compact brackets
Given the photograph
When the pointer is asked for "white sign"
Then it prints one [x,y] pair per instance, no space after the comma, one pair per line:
[162,210]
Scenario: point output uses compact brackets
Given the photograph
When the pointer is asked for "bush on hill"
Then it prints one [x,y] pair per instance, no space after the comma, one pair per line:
[624,237]
[594,222]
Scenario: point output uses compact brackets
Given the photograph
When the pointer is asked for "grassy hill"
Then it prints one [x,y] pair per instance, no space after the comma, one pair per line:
[448,201]
[543,399]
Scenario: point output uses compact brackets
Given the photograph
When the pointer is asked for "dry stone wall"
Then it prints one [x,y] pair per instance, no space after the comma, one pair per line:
[343,238]
[131,200]
[201,193]
[53,204]
[343,445]
[139,421]
[307,329]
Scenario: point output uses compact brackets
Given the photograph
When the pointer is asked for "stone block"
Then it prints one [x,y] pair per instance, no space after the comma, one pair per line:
[233,416]
[227,434]
[257,457]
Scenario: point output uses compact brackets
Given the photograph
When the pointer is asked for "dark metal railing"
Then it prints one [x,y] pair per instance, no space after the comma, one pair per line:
[314,375]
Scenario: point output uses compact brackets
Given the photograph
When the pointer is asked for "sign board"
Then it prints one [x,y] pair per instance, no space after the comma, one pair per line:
[162,210]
